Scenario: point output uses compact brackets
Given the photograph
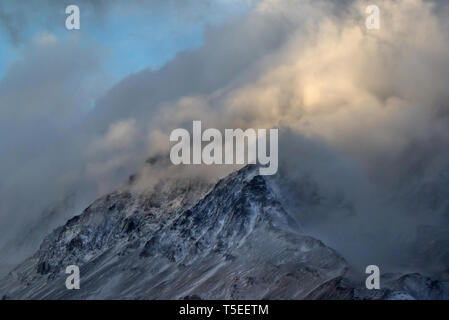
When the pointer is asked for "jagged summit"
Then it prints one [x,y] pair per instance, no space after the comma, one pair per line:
[230,241]
[237,242]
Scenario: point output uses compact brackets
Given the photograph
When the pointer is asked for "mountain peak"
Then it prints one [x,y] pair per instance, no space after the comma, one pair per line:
[236,242]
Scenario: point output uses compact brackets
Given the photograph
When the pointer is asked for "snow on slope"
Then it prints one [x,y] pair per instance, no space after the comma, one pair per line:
[234,242]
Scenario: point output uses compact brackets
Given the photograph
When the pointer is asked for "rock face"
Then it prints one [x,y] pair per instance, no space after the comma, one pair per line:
[232,241]
[236,242]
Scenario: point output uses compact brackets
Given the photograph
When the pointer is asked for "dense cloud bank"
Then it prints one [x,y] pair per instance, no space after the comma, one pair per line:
[362,113]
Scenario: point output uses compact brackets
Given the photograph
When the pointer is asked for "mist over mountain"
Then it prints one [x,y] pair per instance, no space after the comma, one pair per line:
[363,146]
[192,240]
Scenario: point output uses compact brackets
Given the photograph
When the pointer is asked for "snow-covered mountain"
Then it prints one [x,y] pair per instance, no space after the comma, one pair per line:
[233,240]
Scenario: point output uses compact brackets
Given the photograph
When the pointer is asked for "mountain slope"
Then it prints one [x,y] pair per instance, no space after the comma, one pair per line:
[188,239]
[235,243]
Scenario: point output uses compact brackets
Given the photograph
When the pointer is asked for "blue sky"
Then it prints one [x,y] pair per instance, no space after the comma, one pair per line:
[134,37]
[6,52]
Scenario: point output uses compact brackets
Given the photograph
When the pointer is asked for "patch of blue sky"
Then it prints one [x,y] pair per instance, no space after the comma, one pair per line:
[151,37]
[2,58]
[136,37]
[8,53]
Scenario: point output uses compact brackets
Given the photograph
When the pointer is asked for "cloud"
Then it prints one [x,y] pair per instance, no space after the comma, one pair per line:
[359,110]
[119,135]
[43,97]
[375,102]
